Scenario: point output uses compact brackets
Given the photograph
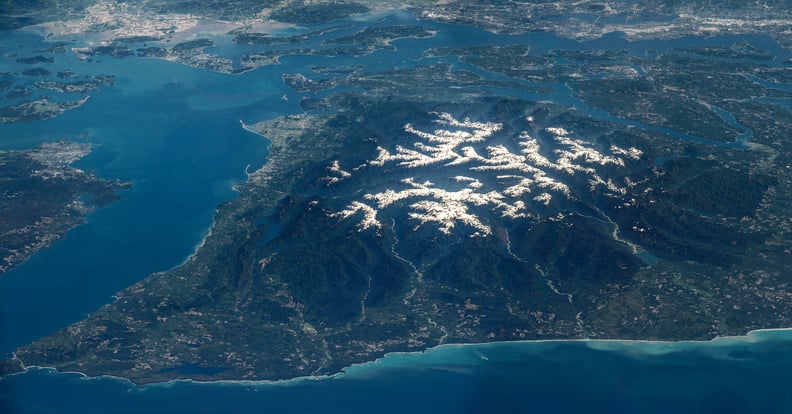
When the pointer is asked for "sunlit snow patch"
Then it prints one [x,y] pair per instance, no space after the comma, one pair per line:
[507,182]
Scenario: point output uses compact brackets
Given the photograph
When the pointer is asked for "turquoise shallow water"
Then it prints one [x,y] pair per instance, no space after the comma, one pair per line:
[750,374]
[174,131]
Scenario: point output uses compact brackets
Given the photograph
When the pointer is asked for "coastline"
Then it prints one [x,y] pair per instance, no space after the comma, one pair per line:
[208,231]
[630,348]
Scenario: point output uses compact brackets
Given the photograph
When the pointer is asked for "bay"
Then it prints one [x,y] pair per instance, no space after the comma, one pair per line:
[183,158]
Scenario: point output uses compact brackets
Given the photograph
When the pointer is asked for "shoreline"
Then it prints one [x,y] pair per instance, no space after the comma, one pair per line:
[207,233]
[621,345]
[392,360]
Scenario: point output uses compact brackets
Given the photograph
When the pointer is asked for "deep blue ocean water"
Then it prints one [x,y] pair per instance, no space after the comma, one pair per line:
[174,132]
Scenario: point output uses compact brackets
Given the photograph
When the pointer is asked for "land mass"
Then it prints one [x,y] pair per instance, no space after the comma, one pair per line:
[411,207]
[43,197]
[303,276]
